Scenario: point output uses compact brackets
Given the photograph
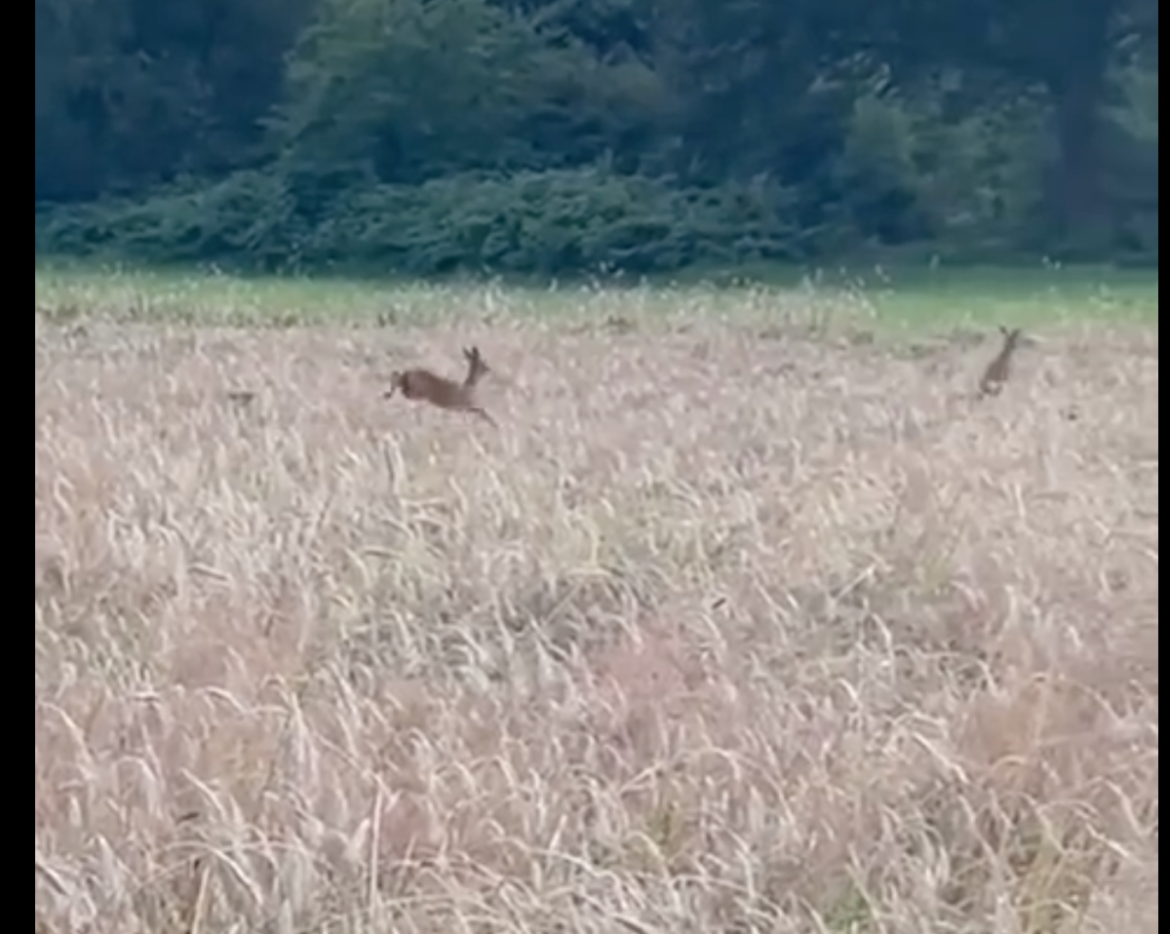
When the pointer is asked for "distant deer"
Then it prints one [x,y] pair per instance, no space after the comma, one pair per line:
[999,369]
[423,385]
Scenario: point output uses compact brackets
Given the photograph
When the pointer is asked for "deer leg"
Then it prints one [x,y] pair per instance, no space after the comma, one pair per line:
[476,410]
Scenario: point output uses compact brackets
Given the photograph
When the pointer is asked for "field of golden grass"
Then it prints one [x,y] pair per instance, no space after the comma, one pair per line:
[729,628]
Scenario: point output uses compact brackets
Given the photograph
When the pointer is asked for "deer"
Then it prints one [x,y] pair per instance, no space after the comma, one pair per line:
[1000,368]
[424,386]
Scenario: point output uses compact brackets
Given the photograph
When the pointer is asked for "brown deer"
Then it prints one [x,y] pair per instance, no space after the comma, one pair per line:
[423,385]
[999,369]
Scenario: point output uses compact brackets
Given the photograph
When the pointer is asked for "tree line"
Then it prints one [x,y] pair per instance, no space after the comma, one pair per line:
[553,136]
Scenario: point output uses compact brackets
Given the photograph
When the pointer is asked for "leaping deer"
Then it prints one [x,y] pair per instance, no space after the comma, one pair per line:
[425,386]
[999,369]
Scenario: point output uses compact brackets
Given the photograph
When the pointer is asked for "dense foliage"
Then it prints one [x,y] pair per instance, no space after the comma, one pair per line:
[557,135]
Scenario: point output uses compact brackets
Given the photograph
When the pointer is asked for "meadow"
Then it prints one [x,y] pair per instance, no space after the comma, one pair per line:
[750,617]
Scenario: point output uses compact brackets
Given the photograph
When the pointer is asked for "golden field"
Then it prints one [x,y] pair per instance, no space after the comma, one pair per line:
[741,622]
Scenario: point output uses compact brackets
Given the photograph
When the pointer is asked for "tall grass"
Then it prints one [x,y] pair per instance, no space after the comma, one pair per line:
[738,624]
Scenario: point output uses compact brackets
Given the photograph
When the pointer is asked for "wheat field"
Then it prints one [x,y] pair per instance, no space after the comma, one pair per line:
[739,623]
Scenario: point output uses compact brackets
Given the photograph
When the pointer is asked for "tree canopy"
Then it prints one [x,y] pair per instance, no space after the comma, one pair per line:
[567,135]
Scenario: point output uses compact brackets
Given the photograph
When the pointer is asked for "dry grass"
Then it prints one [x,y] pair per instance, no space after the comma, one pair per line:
[723,631]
